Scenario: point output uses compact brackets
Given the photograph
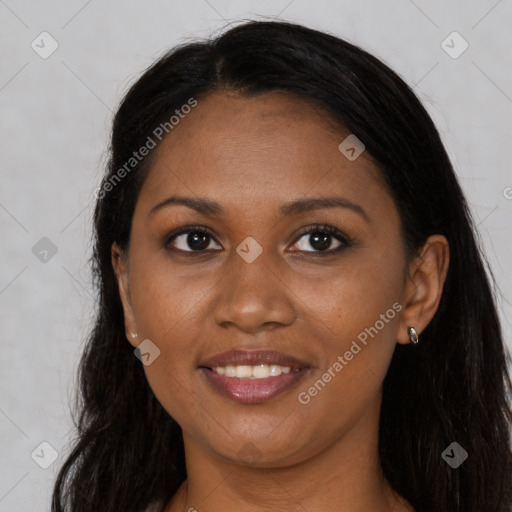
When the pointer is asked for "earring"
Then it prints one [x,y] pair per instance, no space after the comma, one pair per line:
[413,336]
[133,334]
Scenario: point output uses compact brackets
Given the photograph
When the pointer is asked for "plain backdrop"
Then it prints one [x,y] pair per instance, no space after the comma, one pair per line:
[55,120]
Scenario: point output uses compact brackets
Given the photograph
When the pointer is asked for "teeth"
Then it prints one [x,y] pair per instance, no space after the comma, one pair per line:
[230,371]
[243,372]
[260,371]
[275,370]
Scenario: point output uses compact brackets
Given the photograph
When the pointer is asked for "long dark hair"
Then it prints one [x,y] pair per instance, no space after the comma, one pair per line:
[452,387]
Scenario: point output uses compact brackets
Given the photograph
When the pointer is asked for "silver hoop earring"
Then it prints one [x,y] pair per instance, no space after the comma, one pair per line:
[413,336]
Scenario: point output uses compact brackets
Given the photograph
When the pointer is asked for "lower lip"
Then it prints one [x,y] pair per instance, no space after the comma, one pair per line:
[252,391]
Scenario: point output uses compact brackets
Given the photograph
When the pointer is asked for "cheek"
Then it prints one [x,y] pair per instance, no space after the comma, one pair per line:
[357,351]
[168,305]
[166,299]
[357,295]
[356,317]
[172,387]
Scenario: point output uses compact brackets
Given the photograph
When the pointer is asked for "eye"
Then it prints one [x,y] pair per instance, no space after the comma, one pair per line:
[196,238]
[321,237]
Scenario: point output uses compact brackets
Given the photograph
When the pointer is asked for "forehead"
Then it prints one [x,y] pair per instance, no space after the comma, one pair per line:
[257,151]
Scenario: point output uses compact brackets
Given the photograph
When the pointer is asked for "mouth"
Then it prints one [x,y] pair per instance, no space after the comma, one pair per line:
[252,376]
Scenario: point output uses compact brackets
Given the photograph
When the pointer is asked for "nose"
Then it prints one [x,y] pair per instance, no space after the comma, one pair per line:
[253,297]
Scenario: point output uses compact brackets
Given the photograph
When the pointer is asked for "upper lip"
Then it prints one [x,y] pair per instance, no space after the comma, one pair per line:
[253,358]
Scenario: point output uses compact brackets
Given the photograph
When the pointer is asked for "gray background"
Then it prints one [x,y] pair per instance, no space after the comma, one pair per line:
[55,118]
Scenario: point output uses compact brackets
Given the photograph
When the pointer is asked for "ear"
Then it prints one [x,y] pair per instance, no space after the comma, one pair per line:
[120,265]
[424,286]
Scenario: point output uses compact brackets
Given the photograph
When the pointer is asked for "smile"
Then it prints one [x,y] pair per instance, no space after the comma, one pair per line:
[252,376]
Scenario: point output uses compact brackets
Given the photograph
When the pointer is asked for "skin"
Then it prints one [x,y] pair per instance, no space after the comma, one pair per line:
[252,155]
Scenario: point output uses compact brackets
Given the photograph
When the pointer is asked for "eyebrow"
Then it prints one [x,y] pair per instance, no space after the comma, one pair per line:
[210,207]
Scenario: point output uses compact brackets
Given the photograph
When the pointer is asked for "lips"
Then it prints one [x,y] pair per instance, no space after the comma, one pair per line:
[253,358]
[290,370]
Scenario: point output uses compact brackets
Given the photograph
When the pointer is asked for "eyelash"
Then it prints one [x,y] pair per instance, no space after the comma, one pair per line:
[324,229]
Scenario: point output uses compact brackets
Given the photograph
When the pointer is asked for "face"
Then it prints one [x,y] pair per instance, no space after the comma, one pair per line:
[308,318]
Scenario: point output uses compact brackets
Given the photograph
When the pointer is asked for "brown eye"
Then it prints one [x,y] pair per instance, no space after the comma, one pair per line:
[321,238]
[192,239]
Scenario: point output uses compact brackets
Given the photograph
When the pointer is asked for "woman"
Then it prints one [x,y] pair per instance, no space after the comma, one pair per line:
[293,310]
